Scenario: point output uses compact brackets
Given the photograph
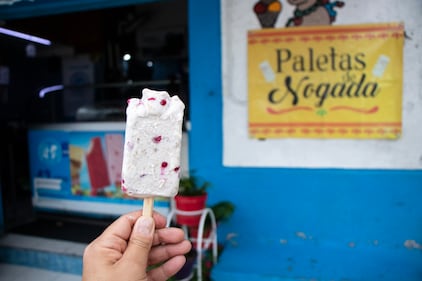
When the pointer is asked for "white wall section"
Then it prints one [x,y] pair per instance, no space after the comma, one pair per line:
[241,151]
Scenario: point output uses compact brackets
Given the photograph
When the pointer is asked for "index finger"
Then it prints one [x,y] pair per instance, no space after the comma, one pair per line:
[122,227]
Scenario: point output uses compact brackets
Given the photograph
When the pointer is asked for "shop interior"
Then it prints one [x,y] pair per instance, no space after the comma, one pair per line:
[128,48]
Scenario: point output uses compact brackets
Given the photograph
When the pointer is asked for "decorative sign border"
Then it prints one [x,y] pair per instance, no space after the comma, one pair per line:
[326,82]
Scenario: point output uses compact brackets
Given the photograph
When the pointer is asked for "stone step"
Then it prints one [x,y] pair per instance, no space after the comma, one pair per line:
[43,253]
[14,272]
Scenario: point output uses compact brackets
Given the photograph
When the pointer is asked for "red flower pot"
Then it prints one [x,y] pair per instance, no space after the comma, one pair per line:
[190,204]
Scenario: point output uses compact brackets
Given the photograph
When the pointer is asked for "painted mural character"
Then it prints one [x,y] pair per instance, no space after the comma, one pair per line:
[313,12]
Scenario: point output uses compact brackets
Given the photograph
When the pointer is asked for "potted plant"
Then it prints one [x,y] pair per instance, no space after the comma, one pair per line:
[223,210]
[192,197]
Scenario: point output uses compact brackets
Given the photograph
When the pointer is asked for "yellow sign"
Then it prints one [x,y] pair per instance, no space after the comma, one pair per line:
[326,82]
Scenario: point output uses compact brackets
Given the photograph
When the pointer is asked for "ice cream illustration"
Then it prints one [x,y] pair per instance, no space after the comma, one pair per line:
[267,12]
[76,155]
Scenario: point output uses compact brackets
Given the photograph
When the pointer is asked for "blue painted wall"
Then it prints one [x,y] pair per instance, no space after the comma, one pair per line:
[296,210]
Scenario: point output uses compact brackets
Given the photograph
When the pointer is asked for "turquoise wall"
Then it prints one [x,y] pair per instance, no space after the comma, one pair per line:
[332,213]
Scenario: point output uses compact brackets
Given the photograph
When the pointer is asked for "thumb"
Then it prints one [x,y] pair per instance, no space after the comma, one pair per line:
[140,243]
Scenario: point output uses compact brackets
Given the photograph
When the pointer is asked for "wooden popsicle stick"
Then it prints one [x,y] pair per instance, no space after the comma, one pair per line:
[148,207]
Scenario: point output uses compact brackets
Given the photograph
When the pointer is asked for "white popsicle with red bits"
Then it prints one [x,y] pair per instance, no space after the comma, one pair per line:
[153,141]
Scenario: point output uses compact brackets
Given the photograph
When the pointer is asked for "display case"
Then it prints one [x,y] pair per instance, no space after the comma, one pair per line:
[76,168]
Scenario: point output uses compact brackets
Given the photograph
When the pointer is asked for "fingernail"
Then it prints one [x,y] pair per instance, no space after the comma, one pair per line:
[144,226]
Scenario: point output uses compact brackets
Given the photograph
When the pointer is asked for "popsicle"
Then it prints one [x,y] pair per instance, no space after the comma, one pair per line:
[153,141]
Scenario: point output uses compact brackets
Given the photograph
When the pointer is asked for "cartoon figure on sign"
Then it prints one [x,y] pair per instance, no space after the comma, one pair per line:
[313,12]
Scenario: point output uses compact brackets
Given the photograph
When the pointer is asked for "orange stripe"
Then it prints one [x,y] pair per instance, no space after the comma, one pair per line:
[331,30]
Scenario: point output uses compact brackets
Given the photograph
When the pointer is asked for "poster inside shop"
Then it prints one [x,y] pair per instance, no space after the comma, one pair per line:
[326,82]
[80,171]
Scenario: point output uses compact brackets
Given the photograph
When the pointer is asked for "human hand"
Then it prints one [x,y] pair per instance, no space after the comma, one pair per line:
[130,245]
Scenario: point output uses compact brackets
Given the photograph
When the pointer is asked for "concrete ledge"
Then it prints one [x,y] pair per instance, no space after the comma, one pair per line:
[43,253]
[316,263]
[13,272]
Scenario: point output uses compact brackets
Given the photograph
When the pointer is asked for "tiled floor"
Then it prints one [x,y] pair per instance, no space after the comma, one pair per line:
[11,272]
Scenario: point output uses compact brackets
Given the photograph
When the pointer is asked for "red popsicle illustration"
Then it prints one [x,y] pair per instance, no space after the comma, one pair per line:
[97,166]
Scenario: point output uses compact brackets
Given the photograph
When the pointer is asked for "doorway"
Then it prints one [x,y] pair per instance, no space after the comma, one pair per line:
[127,47]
